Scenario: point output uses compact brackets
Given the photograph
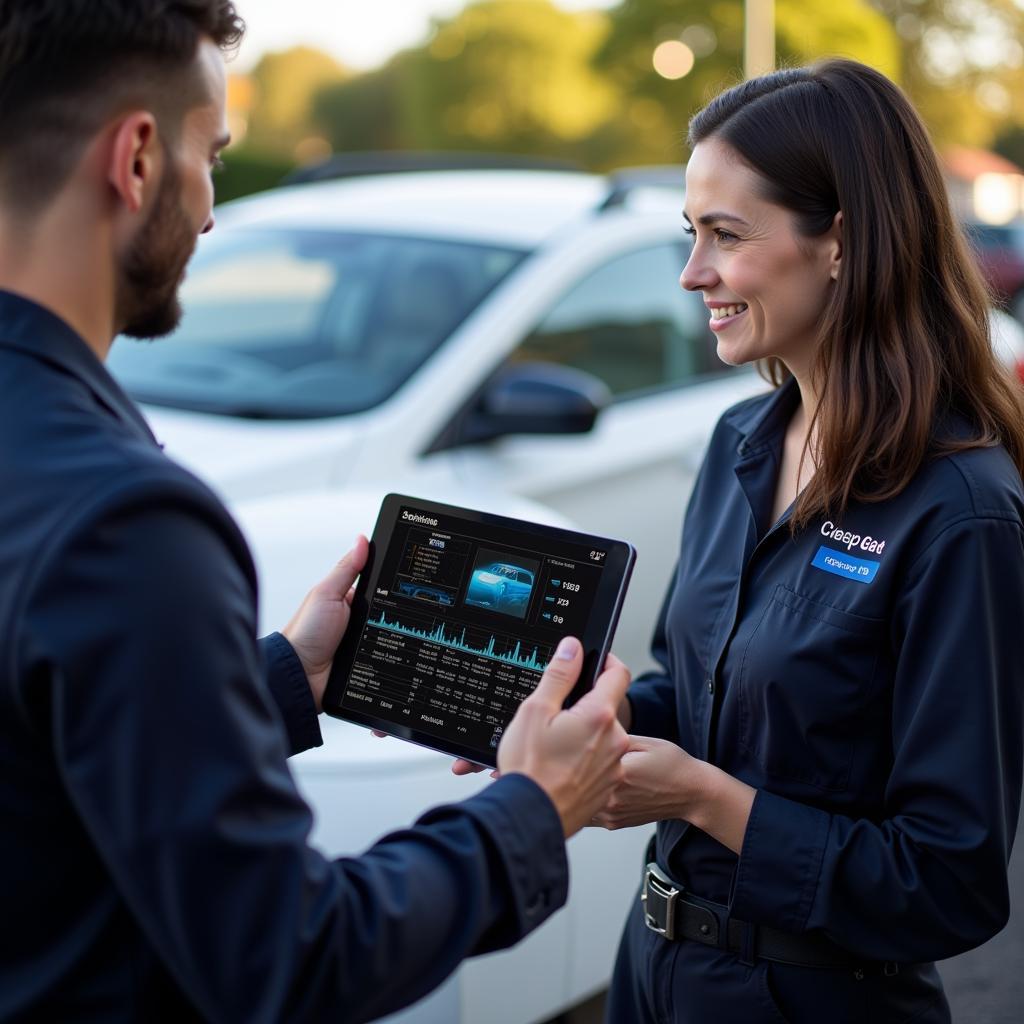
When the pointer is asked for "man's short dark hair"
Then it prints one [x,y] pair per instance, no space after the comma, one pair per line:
[66,66]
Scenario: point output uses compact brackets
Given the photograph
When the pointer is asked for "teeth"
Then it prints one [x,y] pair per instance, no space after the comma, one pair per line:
[723,311]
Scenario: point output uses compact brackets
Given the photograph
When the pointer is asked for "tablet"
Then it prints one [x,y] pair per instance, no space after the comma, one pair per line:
[456,615]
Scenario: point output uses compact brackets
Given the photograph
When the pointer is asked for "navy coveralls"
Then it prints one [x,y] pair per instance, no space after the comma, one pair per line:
[153,848]
[866,677]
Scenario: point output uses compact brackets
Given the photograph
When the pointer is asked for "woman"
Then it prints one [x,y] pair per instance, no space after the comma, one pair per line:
[833,749]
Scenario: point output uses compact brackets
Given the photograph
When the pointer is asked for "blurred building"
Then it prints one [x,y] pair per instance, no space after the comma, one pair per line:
[983,186]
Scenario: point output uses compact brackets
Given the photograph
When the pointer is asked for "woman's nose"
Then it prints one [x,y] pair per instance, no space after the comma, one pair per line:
[698,274]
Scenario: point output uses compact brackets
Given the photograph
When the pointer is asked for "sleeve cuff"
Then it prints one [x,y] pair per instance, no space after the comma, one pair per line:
[650,716]
[525,830]
[780,862]
[286,679]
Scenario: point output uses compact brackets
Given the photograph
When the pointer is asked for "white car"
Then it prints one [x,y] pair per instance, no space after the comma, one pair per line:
[510,340]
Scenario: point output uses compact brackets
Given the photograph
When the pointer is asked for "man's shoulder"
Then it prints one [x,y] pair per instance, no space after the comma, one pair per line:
[69,464]
[65,450]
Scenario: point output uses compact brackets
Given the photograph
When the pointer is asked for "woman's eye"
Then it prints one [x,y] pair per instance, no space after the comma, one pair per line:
[689,229]
[724,236]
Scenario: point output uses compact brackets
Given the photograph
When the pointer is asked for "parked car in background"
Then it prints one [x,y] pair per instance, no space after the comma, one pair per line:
[1008,342]
[510,340]
[503,332]
[1000,252]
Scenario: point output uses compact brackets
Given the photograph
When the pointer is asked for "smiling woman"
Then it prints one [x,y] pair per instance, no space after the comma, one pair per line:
[765,285]
[833,745]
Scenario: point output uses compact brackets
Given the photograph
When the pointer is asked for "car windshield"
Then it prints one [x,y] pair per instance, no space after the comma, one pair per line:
[296,324]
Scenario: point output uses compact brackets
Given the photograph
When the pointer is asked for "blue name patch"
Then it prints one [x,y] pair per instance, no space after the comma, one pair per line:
[840,564]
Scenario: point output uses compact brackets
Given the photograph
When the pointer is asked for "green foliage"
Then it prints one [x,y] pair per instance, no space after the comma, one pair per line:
[285,86]
[963,64]
[1010,144]
[246,171]
[805,30]
[503,75]
[524,76]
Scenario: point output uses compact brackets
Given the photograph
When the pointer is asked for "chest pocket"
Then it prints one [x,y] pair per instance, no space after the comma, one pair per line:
[806,683]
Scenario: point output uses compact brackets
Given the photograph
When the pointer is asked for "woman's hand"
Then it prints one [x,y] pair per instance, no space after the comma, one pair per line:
[660,780]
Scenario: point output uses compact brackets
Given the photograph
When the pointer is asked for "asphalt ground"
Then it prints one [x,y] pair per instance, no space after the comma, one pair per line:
[984,986]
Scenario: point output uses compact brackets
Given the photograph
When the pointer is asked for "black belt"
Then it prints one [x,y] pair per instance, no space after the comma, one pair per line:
[676,914]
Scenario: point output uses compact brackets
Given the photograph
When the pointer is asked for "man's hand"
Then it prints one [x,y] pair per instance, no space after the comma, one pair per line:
[658,783]
[317,627]
[573,755]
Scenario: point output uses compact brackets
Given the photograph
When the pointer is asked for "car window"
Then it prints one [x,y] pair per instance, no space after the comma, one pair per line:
[284,324]
[629,324]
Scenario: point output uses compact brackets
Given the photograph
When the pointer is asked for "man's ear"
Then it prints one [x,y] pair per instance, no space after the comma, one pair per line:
[134,165]
[836,246]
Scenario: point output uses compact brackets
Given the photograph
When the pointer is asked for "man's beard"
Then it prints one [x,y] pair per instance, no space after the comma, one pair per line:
[152,270]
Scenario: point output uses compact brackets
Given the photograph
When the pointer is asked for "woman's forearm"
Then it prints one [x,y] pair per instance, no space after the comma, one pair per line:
[717,804]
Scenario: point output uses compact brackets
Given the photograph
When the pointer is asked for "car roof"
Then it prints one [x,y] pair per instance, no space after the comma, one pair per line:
[517,208]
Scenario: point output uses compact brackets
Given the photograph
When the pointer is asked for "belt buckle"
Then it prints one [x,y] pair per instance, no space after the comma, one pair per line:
[658,889]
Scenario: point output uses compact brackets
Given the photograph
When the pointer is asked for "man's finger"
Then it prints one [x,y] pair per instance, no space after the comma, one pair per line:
[610,687]
[338,582]
[561,674]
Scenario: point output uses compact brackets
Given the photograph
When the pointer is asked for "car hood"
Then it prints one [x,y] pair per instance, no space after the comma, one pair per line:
[242,459]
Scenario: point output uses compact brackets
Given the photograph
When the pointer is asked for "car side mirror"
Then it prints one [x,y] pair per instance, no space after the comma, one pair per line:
[529,398]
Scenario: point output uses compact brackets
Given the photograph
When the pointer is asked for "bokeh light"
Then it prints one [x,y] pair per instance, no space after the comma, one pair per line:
[701,39]
[673,59]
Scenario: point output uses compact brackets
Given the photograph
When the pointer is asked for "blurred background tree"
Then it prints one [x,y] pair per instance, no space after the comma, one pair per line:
[615,87]
[502,75]
[963,65]
[272,119]
[669,57]
[284,86]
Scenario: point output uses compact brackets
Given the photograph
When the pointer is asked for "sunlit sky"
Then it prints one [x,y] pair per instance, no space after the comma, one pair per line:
[359,33]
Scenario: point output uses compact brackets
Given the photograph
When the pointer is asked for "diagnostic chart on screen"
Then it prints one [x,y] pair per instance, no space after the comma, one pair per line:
[462,622]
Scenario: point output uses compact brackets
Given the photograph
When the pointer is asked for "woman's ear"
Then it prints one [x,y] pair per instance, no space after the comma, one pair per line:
[836,245]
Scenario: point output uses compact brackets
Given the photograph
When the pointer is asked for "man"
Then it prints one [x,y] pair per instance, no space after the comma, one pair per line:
[154,848]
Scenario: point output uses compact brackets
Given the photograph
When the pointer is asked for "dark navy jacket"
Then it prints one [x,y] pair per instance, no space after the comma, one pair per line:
[153,845]
[866,677]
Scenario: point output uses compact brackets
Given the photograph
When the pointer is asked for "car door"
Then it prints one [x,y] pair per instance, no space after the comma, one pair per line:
[628,323]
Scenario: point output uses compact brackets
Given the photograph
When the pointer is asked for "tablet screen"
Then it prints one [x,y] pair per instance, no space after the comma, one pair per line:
[461,614]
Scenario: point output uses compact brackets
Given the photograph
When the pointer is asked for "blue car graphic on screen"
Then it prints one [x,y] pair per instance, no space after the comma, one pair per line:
[501,587]
[424,592]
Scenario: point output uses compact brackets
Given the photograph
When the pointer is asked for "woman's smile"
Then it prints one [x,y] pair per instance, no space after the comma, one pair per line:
[724,315]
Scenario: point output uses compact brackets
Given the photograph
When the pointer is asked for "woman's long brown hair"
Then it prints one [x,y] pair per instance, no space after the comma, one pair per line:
[905,338]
